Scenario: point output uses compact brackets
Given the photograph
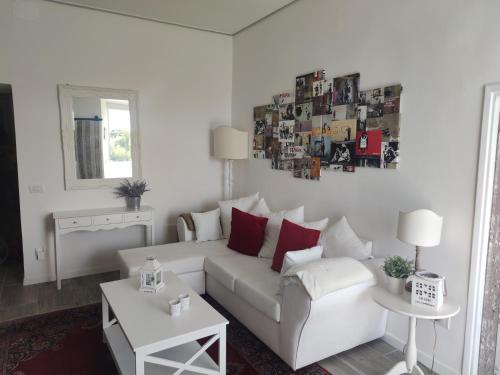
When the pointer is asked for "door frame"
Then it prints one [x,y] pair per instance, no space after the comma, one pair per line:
[481,229]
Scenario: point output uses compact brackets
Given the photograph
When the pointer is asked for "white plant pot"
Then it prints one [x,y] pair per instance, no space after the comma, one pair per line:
[395,285]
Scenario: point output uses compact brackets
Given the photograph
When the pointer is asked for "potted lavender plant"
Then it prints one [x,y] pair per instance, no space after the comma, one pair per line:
[132,192]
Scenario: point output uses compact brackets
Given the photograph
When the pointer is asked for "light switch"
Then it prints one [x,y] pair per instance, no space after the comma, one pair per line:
[36,189]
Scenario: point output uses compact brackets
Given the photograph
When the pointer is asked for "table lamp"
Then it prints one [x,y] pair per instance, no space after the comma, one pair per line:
[230,144]
[421,228]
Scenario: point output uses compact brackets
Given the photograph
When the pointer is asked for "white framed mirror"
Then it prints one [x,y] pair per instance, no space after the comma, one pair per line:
[100,136]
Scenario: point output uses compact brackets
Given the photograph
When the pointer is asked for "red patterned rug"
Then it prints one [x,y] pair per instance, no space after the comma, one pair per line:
[70,342]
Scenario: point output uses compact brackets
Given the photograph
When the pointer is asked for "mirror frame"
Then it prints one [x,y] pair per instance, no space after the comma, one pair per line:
[66,94]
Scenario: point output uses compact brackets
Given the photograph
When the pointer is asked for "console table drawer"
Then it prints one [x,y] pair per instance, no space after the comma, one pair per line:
[107,219]
[137,216]
[75,222]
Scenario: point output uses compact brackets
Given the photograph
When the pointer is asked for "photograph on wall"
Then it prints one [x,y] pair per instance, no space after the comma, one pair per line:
[307,168]
[284,98]
[317,106]
[291,151]
[344,112]
[361,115]
[286,112]
[316,125]
[286,131]
[268,142]
[304,86]
[388,124]
[326,124]
[322,147]
[368,148]
[271,146]
[343,155]
[303,140]
[303,117]
[343,131]
[318,88]
[346,89]
[390,155]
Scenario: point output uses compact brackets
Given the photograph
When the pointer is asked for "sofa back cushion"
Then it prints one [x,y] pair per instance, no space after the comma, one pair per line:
[243,204]
[207,225]
[340,240]
[247,232]
[293,237]
[274,226]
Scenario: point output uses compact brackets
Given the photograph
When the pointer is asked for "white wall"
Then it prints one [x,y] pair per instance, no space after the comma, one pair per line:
[184,82]
[442,52]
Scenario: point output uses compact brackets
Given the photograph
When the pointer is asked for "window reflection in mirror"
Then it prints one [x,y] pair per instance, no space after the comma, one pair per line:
[102,134]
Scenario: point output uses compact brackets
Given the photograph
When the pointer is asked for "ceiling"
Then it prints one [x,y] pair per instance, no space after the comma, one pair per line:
[221,16]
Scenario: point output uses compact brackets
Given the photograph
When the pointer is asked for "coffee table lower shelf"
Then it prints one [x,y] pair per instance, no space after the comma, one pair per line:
[124,357]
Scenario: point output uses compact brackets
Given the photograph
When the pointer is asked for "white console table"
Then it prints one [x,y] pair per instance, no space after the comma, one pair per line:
[98,219]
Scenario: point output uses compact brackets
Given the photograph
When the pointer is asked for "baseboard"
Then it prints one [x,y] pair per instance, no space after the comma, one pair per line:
[75,273]
[423,357]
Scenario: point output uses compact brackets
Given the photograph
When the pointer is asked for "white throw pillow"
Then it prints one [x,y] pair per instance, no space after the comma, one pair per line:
[318,225]
[226,207]
[273,228]
[207,225]
[260,209]
[293,258]
[341,241]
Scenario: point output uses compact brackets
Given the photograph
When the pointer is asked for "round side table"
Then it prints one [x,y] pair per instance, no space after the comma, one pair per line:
[401,304]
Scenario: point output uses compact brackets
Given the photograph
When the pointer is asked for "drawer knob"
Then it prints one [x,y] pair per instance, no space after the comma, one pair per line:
[107,219]
[137,217]
[75,222]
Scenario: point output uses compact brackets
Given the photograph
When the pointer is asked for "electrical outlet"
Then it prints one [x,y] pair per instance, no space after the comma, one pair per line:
[445,323]
[36,189]
[40,253]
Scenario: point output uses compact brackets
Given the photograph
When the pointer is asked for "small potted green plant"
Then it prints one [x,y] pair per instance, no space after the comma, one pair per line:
[397,270]
[132,192]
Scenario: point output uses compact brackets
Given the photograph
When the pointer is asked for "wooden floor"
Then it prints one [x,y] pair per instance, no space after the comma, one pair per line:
[16,301]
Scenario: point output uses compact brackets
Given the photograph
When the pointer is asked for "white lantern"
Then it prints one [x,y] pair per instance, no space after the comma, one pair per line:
[428,289]
[151,276]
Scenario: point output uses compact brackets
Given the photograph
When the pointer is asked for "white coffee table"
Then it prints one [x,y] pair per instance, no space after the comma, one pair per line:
[145,340]
[401,304]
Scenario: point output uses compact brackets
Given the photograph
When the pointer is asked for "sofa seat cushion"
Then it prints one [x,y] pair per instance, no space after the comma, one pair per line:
[179,257]
[250,278]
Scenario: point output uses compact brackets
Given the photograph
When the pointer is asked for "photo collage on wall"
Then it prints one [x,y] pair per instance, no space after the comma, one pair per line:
[329,124]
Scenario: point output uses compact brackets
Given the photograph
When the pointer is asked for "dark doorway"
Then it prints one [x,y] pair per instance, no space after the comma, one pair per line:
[11,249]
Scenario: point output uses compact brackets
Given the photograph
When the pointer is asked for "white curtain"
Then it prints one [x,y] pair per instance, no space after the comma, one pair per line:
[88,148]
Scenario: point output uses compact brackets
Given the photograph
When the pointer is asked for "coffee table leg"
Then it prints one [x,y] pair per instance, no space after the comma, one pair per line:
[105,317]
[139,364]
[222,350]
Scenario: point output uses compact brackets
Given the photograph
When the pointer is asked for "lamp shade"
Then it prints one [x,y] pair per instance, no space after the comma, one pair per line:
[230,143]
[420,228]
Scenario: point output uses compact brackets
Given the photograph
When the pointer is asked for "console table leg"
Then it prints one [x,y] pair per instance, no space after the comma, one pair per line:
[57,254]
[149,235]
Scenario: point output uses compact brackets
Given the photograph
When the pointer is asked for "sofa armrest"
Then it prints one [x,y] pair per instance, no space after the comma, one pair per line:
[183,232]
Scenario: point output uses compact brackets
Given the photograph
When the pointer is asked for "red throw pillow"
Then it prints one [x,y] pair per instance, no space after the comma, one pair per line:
[247,232]
[293,237]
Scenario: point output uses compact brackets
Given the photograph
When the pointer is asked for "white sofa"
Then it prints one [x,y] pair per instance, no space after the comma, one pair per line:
[298,329]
